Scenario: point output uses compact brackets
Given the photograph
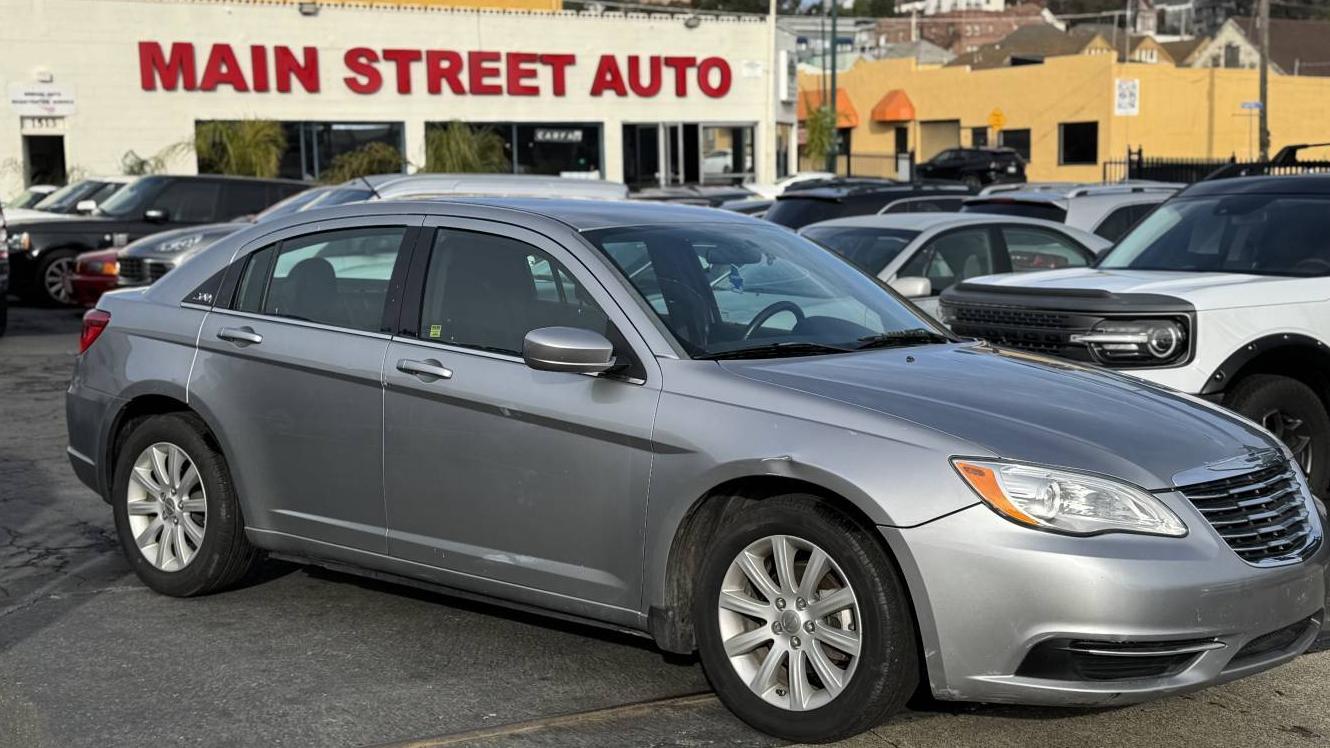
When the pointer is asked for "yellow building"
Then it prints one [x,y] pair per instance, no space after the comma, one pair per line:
[1067,115]
[550,5]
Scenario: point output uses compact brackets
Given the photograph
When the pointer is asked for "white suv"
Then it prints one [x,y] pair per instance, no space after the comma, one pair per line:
[1223,292]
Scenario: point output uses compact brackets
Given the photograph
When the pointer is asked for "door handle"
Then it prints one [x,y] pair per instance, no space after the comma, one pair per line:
[428,370]
[240,335]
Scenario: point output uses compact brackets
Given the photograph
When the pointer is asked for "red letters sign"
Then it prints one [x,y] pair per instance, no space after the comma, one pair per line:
[261,69]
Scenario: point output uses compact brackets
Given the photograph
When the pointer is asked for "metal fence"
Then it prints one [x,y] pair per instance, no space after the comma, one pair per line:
[1187,170]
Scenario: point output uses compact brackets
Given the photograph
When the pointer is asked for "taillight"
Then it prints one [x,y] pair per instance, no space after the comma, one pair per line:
[94,321]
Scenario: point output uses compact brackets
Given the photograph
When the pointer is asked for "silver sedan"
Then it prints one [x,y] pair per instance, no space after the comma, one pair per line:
[699,427]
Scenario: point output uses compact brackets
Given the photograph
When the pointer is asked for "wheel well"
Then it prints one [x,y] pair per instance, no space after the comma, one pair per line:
[1309,364]
[134,411]
[672,624]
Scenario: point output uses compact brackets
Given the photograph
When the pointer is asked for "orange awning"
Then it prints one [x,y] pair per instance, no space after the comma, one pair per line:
[895,106]
[811,101]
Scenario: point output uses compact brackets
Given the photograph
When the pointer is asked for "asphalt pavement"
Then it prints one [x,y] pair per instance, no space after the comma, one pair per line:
[305,656]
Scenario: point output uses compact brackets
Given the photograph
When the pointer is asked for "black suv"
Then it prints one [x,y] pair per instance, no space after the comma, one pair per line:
[838,198]
[42,251]
[975,167]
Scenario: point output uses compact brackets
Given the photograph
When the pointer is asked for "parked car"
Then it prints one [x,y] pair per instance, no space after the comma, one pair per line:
[42,251]
[822,201]
[771,191]
[473,394]
[150,258]
[95,273]
[30,196]
[712,196]
[82,196]
[756,207]
[974,167]
[4,276]
[1223,292]
[923,254]
[1109,210]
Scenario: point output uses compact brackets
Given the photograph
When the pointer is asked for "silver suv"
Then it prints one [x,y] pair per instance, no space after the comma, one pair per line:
[697,426]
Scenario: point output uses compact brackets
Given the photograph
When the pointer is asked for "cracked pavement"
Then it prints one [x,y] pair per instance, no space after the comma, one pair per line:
[312,657]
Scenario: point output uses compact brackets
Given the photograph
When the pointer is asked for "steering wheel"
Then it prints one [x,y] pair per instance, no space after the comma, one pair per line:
[1313,265]
[772,311]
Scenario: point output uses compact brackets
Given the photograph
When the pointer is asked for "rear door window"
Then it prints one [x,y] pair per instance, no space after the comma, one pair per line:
[955,257]
[1033,248]
[191,201]
[243,199]
[1117,223]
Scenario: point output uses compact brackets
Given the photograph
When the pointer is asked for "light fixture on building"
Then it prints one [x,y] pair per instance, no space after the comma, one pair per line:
[692,22]
[309,8]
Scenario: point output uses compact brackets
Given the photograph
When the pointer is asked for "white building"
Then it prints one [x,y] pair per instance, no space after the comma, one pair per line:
[930,7]
[642,98]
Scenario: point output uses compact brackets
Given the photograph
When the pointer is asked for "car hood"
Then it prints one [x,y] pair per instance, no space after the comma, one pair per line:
[14,215]
[1029,408]
[53,223]
[180,243]
[1203,290]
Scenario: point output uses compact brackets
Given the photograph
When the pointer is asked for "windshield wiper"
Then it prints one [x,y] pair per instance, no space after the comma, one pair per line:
[775,350]
[900,338]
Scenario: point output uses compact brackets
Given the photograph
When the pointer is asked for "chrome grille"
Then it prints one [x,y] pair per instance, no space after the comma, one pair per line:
[132,270]
[1262,515]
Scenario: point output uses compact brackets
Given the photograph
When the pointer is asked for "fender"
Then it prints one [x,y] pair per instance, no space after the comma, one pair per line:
[1222,376]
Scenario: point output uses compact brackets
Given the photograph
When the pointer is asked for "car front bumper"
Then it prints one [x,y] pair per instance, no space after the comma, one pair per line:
[990,595]
[87,289]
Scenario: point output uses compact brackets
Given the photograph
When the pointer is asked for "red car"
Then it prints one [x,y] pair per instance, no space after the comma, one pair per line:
[94,274]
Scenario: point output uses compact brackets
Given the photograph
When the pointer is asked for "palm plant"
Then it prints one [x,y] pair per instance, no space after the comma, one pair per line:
[459,148]
[821,126]
[246,147]
[371,158]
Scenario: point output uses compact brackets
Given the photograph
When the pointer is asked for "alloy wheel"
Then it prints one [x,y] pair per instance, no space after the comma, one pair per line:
[167,506]
[1294,432]
[58,278]
[790,623]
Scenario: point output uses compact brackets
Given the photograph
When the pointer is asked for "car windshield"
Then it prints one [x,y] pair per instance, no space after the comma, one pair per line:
[751,291]
[1254,234]
[65,199]
[320,197]
[871,249]
[131,198]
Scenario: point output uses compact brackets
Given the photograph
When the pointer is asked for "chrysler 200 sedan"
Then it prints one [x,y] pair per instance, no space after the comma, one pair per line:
[585,408]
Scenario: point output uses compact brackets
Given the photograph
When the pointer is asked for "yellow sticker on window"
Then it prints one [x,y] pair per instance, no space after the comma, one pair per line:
[435,331]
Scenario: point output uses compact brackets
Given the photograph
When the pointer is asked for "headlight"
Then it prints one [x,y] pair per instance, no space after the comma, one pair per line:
[1066,502]
[100,267]
[1141,342]
[20,242]
[180,244]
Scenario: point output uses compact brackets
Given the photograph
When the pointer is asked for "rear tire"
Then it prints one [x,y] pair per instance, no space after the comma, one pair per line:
[176,511]
[867,686]
[1294,413]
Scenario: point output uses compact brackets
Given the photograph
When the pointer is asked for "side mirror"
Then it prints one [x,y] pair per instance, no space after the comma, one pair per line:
[154,215]
[568,349]
[85,206]
[913,286]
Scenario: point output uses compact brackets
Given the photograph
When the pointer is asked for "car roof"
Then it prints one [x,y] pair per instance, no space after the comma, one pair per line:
[1021,196]
[926,221]
[408,186]
[1298,184]
[225,178]
[585,215]
[852,189]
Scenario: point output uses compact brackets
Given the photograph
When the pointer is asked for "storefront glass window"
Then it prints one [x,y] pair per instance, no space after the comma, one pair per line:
[727,154]
[784,133]
[312,146]
[550,149]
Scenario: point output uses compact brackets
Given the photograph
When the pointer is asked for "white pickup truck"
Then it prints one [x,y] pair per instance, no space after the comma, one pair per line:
[1222,292]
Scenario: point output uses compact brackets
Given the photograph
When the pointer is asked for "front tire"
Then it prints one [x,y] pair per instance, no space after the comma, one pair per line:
[51,279]
[802,622]
[175,510]
[1294,413]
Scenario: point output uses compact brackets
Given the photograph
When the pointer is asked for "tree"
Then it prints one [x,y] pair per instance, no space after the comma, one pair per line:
[873,8]
[821,127]
[371,158]
[246,147]
[459,148]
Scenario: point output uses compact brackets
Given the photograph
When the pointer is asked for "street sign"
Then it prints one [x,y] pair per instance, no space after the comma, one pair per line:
[1250,105]
[996,119]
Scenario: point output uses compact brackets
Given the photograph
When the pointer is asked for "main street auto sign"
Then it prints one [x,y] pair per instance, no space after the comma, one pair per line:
[362,70]
[41,99]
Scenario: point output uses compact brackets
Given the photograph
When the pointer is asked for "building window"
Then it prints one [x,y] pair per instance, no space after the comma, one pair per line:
[1232,56]
[1078,143]
[312,146]
[784,139]
[1017,140]
[727,154]
[979,137]
[547,148]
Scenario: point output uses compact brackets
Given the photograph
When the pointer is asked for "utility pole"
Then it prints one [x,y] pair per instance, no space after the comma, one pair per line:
[835,131]
[1264,20]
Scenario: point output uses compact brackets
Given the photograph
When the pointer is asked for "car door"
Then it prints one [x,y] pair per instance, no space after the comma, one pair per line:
[953,257]
[190,201]
[531,484]
[1031,248]
[289,369]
